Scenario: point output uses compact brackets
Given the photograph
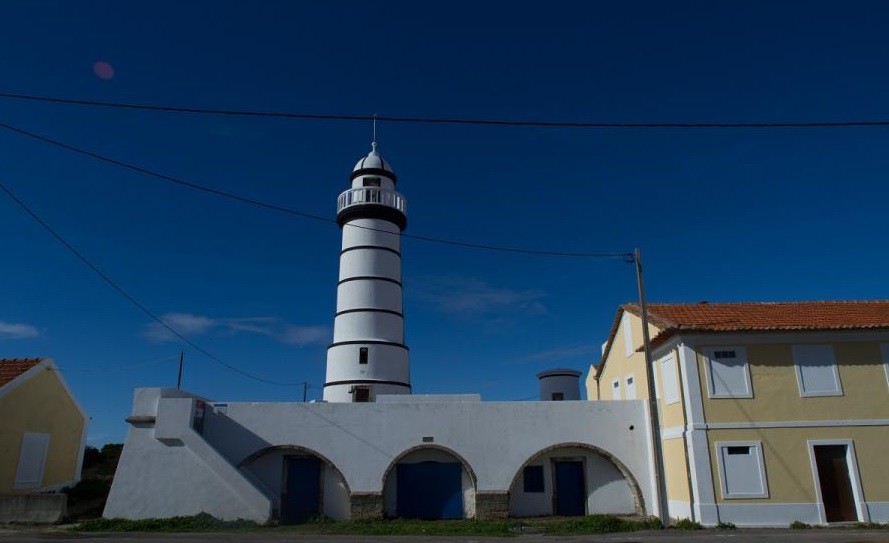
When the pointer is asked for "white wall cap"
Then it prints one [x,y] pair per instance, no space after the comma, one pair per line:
[428,398]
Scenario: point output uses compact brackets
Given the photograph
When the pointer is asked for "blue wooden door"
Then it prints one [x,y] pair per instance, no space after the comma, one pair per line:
[430,490]
[570,493]
[302,490]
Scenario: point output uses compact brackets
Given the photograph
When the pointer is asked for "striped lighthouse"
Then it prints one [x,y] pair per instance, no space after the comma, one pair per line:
[368,355]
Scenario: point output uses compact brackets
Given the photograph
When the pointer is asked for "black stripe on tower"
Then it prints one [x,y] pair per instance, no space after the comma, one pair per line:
[369,310]
[380,247]
[369,278]
[364,382]
[368,342]
[372,211]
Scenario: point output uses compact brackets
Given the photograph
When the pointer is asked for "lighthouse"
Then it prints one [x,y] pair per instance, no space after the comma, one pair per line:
[368,355]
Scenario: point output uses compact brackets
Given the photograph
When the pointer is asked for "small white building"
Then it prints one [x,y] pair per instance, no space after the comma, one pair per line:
[372,449]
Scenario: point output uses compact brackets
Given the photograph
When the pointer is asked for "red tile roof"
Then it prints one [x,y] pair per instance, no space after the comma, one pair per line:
[10,368]
[758,316]
[734,317]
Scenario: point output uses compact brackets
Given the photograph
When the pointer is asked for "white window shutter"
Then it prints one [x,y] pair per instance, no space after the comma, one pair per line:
[32,460]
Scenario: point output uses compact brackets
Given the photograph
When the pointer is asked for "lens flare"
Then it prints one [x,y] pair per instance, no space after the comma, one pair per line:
[103,70]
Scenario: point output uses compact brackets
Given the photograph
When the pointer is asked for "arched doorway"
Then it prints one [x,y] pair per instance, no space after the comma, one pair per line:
[429,482]
[573,479]
[302,483]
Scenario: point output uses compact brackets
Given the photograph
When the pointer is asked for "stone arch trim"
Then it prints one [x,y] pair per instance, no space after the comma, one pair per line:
[295,449]
[447,450]
[621,467]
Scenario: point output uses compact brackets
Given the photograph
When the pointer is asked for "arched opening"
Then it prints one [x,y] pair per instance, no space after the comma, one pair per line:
[302,483]
[429,482]
[573,479]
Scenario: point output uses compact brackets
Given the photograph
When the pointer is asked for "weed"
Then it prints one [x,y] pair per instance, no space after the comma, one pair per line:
[686,524]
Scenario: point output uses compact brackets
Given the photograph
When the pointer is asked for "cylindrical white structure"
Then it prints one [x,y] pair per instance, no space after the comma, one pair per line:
[559,384]
[368,355]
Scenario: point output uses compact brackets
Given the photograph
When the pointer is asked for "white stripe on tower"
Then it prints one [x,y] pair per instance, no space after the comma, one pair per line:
[368,355]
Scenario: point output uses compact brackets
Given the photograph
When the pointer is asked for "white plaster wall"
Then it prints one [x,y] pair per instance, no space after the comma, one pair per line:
[336,495]
[363,325]
[370,262]
[608,491]
[173,475]
[495,438]
[363,441]
[368,293]
[371,232]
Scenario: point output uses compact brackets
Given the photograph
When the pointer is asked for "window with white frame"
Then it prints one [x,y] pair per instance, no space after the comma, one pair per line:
[32,459]
[741,469]
[615,389]
[631,387]
[728,375]
[628,335]
[669,379]
[816,370]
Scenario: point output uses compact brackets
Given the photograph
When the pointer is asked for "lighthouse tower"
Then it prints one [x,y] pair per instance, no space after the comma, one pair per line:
[368,355]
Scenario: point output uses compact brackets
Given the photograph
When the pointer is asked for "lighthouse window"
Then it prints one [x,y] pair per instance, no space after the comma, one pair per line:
[362,355]
[558,396]
[371,181]
[362,394]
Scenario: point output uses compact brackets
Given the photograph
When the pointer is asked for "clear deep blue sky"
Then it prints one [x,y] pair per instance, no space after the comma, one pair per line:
[721,215]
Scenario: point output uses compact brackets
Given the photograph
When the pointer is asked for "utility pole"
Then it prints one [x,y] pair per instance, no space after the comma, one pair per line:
[305,390]
[181,360]
[659,478]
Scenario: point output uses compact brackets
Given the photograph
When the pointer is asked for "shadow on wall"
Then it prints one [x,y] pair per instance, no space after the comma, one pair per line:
[300,483]
[573,479]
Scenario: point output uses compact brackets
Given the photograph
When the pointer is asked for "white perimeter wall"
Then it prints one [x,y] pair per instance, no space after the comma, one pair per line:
[495,439]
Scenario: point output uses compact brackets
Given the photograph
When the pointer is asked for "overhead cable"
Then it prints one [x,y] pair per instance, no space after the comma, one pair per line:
[120,290]
[441,120]
[298,213]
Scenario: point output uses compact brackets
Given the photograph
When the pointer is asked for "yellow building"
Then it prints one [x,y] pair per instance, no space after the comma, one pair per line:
[769,412]
[42,428]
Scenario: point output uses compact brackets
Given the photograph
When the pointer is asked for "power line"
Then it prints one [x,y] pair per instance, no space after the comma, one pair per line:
[116,368]
[120,290]
[441,120]
[295,212]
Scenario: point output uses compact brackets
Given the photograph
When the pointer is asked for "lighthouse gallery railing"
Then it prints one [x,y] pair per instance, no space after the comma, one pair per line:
[371,195]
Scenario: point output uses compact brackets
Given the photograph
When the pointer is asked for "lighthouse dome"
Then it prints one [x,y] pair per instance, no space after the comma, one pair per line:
[373,161]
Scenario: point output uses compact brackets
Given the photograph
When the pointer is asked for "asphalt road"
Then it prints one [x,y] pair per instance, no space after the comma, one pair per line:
[707,536]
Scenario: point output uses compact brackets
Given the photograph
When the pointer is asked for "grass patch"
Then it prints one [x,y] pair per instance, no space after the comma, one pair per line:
[594,524]
[871,526]
[726,526]
[197,523]
[687,524]
[799,525]
[405,527]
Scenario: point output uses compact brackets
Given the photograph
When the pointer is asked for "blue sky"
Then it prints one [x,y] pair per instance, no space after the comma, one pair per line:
[721,215]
